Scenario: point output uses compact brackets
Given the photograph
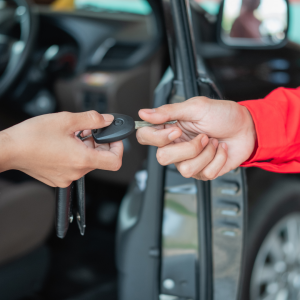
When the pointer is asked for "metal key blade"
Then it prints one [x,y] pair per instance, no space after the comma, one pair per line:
[141,124]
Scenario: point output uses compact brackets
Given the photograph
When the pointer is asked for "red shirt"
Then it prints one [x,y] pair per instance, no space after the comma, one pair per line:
[277,122]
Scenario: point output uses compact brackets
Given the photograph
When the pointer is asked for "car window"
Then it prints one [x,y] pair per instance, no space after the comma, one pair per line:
[294,21]
[212,7]
[140,7]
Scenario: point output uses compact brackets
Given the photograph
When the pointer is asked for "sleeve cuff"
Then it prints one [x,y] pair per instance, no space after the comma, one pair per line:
[268,142]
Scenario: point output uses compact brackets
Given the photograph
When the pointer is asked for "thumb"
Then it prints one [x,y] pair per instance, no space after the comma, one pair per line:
[88,120]
[185,111]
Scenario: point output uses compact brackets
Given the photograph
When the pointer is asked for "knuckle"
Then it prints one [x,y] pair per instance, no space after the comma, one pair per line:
[139,137]
[163,107]
[202,178]
[94,116]
[161,157]
[211,151]
[195,100]
[209,175]
[185,170]
[66,117]
[224,155]
[204,99]
[194,149]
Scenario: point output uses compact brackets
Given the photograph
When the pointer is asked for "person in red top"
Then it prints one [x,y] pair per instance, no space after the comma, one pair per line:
[213,137]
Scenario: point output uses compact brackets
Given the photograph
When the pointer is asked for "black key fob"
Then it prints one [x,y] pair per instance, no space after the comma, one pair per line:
[63,210]
[121,127]
[80,204]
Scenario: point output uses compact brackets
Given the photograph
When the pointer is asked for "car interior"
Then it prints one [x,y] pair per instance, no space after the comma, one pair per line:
[108,56]
[83,56]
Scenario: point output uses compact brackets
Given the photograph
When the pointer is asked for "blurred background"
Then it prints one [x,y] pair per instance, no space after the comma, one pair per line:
[109,56]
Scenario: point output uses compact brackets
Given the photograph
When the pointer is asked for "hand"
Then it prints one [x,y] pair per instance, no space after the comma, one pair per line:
[211,137]
[47,148]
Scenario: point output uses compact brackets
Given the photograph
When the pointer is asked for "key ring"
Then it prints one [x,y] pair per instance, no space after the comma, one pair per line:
[83,138]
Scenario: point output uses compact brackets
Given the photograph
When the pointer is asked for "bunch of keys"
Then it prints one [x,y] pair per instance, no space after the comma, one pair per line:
[70,201]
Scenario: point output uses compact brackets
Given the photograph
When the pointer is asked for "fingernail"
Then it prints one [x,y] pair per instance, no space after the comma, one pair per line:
[173,135]
[108,118]
[148,111]
[224,146]
[215,142]
[204,140]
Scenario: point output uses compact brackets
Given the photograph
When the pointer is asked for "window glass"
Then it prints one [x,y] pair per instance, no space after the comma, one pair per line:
[140,7]
[211,6]
[294,21]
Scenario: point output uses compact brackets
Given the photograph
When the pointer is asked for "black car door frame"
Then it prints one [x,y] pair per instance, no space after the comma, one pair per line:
[221,204]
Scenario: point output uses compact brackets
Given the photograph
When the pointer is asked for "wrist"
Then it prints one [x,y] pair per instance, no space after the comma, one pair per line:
[250,133]
[6,151]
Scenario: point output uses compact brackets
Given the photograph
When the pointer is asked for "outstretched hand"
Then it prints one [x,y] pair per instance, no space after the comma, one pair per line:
[46,147]
[211,137]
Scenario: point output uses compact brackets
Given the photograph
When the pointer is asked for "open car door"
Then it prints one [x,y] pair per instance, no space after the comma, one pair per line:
[181,238]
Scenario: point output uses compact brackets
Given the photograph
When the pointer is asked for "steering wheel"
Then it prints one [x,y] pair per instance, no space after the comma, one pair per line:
[15,49]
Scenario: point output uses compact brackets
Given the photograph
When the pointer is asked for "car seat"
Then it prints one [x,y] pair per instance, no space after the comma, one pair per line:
[26,219]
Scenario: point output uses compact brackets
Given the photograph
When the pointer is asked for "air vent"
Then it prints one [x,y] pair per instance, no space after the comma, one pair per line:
[119,52]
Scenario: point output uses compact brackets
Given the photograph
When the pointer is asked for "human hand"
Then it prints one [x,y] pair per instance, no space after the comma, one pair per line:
[211,137]
[46,147]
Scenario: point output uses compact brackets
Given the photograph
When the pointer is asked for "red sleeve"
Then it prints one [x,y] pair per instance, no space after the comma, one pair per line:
[277,122]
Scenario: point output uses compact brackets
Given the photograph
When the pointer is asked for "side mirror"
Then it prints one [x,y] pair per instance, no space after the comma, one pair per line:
[253,24]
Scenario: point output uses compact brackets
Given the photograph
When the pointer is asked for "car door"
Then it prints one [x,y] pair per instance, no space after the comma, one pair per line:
[181,238]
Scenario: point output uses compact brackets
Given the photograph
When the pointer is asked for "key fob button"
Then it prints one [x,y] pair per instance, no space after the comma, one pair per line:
[118,122]
[121,128]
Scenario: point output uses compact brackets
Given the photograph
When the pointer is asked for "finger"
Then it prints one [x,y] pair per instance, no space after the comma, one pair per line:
[90,142]
[174,153]
[86,120]
[190,168]
[108,160]
[184,111]
[212,170]
[157,137]
[86,133]
[117,148]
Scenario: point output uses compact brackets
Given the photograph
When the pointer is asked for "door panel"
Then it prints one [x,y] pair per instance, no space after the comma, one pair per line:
[229,206]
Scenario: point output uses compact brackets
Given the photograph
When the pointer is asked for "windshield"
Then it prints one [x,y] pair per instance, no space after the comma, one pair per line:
[140,7]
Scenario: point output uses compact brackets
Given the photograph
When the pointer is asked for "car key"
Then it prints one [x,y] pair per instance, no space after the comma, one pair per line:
[119,129]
